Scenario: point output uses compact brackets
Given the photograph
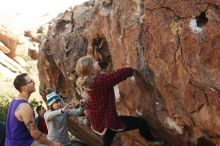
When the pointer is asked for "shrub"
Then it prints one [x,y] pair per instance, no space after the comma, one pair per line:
[6,94]
[35,103]
[4,103]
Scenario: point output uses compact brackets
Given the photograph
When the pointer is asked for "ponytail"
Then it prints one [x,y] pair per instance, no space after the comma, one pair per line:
[84,69]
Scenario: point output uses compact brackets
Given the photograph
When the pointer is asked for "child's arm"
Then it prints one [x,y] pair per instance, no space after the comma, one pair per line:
[76,112]
[49,115]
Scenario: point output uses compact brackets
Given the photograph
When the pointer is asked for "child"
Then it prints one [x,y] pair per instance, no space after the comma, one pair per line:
[56,119]
[40,121]
[97,88]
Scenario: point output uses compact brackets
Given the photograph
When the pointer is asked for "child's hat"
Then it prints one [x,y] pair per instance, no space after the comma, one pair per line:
[52,97]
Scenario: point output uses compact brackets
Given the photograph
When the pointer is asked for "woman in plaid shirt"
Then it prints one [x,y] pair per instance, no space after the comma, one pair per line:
[97,89]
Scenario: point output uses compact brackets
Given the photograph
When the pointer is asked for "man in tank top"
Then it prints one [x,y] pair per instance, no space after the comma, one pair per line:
[21,129]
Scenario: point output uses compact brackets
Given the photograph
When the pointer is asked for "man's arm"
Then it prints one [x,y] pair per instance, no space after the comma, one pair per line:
[25,113]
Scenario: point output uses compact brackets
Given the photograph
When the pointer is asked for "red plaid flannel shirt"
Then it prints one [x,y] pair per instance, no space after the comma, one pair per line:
[101,108]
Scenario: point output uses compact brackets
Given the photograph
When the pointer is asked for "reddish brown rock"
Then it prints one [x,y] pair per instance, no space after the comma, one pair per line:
[175,46]
[33,54]
[4,49]
[10,40]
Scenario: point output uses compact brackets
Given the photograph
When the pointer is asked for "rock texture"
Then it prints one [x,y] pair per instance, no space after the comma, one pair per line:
[9,61]
[174,44]
[9,40]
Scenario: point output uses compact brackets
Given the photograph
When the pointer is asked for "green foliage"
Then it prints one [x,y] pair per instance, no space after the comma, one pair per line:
[5,97]
[5,79]
[35,103]
[4,104]
[27,58]
[27,68]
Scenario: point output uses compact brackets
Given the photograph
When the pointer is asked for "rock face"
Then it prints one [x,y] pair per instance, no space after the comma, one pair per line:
[174,44]
[9,40]
[10,63]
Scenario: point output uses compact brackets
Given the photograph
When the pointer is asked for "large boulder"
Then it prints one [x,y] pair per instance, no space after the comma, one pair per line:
[174,44]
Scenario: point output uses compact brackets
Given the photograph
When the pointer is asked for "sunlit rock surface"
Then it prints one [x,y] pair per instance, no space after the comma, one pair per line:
[174,44]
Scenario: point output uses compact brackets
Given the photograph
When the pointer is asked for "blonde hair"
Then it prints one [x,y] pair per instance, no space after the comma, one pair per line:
[84,66]
[84,69]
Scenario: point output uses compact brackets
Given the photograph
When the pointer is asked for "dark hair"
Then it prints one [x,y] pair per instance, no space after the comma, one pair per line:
[51,108]
[38,108]
[19,81]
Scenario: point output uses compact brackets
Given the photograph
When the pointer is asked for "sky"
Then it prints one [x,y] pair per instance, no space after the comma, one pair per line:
[20,15]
